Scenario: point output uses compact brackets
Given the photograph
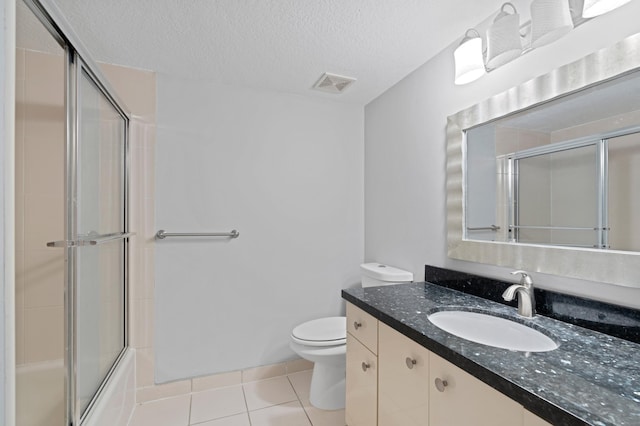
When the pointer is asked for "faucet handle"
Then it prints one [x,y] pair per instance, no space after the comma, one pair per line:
[525,279]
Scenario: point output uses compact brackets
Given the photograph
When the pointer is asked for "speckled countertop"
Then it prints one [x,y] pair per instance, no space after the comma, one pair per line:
[592,378]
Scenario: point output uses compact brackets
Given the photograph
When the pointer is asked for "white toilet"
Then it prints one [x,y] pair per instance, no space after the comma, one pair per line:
[324,342]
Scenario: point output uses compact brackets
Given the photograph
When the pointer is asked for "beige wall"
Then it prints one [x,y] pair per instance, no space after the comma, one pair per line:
[40,139]
[624,197]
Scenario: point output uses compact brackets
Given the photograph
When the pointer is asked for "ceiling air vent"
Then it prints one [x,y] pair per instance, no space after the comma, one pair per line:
[333,83]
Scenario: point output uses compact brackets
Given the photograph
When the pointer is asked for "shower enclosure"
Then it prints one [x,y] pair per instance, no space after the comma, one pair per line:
[72,230]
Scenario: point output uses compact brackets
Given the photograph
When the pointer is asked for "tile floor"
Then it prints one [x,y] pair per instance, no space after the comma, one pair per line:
[280,401]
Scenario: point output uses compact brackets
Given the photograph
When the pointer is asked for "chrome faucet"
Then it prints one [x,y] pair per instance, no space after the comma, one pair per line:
[526,299]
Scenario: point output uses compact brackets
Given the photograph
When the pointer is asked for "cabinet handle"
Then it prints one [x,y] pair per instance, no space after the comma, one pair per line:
[365,366]
[410,363]
[441,384]
[357,325]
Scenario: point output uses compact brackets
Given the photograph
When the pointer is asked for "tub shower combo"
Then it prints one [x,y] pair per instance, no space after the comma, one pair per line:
[72,231]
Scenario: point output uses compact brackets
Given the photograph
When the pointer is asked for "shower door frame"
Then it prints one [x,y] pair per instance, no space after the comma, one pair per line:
[77,60]
[77,66]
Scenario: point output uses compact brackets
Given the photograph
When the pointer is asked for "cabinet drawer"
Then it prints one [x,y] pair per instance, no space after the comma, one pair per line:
[362,385]
[363,327]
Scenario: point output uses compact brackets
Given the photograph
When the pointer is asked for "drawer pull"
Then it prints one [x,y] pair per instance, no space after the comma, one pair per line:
[357,325]
[365,366]
[441,384]
[410,363]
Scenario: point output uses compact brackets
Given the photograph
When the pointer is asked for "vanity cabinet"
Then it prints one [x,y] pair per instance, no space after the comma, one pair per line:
[392,380]
[362,368]
[458,398]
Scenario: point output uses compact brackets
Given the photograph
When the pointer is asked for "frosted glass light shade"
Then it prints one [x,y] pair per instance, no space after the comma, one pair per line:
[550,20]
[469,61]
[503,39]
[593,8]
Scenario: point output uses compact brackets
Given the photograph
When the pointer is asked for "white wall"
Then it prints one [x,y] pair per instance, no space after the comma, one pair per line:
[7,271]
[286,172]
[405,157]
[2,208]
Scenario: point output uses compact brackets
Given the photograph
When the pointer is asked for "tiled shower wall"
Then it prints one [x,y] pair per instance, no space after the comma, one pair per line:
[40,207]
[40,141]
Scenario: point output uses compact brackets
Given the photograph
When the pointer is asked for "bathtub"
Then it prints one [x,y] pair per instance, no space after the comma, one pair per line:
[40,391]
[40,394]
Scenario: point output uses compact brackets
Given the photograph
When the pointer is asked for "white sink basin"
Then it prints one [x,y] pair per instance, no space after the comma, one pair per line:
[492,331]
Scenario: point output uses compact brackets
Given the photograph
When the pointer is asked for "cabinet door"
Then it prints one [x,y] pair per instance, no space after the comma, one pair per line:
[362,385]
[465,400]
[363,326]
[403,380]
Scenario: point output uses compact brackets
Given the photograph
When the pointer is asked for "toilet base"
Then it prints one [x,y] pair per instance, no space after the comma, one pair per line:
[328,386]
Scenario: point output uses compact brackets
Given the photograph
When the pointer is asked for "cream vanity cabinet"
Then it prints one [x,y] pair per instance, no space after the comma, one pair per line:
[392,380]
[458,398]
[362,368]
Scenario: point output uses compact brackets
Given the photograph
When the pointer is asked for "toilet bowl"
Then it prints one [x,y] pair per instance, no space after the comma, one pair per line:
[324,342]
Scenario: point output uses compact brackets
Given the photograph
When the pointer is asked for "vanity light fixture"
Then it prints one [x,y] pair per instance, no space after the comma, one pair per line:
[504,42]
[550,20]
[469,59]
[593,8]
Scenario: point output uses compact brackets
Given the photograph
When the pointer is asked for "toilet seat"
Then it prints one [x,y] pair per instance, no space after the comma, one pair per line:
[331,331]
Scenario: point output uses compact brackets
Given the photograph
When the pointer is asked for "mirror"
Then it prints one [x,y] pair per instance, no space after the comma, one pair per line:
[563,173]
[544,176]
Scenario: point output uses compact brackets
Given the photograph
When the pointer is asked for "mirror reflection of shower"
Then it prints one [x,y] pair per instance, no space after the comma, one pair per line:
[40,199]
[562,173]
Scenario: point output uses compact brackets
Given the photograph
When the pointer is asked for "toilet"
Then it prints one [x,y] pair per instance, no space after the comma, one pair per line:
[323,341]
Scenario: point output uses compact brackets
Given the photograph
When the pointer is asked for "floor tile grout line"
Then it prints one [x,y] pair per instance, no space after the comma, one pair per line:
[246,405]
[190,408]
[218,418]
[300,400]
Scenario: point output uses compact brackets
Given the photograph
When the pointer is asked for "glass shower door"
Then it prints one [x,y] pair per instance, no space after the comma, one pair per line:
[556,201]
[99,283]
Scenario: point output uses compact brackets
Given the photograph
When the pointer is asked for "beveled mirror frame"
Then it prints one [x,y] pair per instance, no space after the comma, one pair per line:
[614,267]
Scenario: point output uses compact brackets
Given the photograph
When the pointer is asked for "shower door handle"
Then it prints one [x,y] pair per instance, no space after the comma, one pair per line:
[62,244]
[93,240]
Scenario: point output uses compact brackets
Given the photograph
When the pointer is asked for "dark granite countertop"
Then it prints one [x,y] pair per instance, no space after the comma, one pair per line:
[592,378]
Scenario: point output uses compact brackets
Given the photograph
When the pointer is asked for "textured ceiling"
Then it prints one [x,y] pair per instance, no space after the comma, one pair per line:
[282,45]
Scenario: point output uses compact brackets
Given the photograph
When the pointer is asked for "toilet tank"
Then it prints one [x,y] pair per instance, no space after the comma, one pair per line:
[377,274]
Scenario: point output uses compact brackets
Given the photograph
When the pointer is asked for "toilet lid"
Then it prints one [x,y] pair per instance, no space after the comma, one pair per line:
[331,330]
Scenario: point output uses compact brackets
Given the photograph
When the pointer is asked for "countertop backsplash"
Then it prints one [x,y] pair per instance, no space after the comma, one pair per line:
[599,316]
